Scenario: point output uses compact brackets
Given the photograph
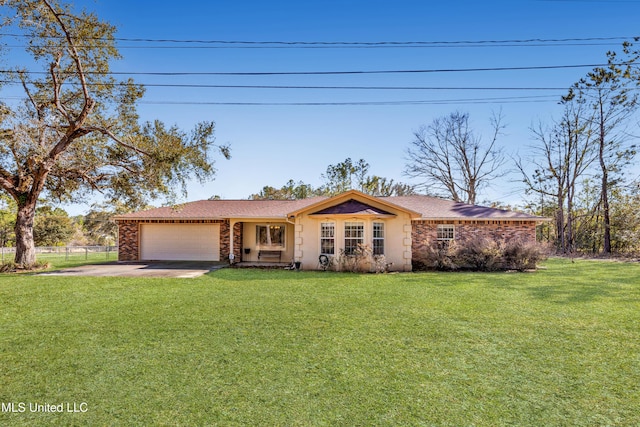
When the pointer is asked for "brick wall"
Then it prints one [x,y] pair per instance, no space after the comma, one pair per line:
[424,233]
[237,241]
[224,241]
[128,241]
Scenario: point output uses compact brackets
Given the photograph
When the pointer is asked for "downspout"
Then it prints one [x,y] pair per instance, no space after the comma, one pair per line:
[296,250]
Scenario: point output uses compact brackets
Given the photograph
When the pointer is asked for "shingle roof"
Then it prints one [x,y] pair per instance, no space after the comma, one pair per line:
[217,209]
[428,207]
[435,208]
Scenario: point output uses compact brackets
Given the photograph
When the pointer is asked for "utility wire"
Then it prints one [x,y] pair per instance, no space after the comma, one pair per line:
[508,100]
[216,86]
[272,43]
[336,72]
[502,100]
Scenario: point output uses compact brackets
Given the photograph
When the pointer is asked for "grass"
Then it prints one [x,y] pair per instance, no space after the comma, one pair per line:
[256,347]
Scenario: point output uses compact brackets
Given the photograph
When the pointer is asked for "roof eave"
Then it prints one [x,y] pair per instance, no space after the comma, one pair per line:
[359,193]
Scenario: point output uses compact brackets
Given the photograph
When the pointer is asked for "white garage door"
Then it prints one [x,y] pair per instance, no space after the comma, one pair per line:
[180,242]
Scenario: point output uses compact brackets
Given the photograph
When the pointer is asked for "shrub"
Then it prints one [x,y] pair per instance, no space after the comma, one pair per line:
[520,256]
[439,256]
[478,254]
[362,260]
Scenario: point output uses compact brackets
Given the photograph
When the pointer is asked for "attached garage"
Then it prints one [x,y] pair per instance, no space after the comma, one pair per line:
[180,242]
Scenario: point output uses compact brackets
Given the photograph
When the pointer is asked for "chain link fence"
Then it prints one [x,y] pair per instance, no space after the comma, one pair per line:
[67,253]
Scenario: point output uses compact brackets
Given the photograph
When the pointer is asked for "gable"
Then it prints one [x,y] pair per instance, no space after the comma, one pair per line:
[352,207]
[354,202]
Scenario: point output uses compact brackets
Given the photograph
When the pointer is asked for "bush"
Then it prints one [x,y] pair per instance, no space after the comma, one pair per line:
[439,256]
[520,256]
[479,254]
[361,261]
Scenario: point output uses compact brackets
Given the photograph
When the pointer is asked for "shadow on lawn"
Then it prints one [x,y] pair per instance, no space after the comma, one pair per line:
[569,294]
[583,281]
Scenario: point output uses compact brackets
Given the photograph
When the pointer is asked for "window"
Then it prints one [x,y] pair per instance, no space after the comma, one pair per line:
[445,232]
[270,236]
[327,238]
[378,238]
[353,236]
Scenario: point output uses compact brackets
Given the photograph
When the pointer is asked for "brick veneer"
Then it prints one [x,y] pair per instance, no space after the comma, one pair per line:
[129,237]
[424,233]
[237,240]
[128,240]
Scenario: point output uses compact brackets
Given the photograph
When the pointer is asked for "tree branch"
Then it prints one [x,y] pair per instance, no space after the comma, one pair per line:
[28,92]
[110,134]
[56,89]
[89,103]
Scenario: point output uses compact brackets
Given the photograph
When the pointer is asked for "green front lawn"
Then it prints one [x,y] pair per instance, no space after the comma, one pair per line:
[255,347]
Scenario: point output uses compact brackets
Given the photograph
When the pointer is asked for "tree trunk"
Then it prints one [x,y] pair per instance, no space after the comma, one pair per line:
[606,215]
[605,186]
[570,234]
[25,246]
[560,223]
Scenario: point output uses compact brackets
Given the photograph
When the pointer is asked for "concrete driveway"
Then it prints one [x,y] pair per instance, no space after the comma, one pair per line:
[175,269]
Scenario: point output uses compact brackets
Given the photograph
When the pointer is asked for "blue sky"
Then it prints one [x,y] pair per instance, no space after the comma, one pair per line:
[274,143]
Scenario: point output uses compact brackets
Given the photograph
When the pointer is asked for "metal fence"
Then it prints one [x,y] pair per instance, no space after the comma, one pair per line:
[67,253]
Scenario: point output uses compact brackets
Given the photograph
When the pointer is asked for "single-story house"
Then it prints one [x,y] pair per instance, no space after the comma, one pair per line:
[303,230]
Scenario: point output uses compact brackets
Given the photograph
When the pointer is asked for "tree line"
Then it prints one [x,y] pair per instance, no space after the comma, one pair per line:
[338,178]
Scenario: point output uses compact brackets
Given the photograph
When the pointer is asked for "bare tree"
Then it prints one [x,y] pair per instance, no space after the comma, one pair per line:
[562,156]
[452,160]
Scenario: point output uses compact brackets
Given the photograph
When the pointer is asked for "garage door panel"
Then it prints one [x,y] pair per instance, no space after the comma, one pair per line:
[180,242]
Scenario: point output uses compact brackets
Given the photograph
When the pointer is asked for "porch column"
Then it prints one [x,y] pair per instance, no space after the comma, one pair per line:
[232,223]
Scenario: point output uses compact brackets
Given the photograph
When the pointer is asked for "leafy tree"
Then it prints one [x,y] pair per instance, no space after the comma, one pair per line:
[349,175]
[625,219]
[77,130]
[52,227]
[452,160]
[290,191]
[338,178]
[383,187]
[98,226]
[344,176]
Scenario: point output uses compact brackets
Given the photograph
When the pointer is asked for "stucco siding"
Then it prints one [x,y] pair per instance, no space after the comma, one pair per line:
[397,238]
[249,241]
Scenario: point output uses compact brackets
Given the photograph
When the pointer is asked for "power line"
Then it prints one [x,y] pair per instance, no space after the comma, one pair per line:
[351,47]
[302,87]
[505,100]
[501,100]
[334,44]
[337,72]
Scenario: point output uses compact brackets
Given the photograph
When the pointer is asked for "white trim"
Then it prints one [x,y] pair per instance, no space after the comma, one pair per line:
[335,232]
[442,226]
[267,225]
